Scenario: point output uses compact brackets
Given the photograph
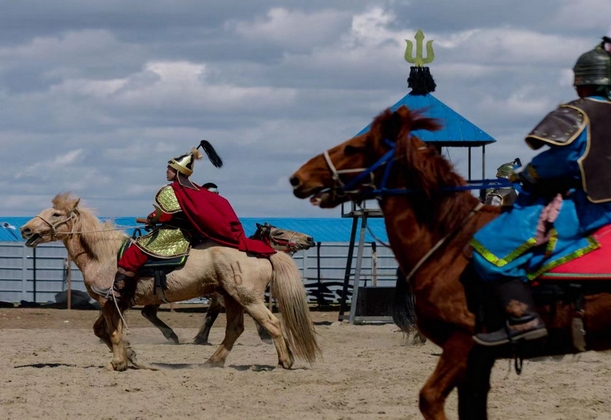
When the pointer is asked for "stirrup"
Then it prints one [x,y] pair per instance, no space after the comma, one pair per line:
[507,334]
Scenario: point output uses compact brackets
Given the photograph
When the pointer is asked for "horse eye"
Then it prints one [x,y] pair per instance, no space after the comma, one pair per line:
[56,215]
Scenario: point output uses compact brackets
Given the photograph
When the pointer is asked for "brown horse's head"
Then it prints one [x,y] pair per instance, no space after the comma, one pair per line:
[52,223]
[283,240]
[326,178]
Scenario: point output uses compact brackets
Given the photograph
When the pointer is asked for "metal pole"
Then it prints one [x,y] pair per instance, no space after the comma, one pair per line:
[470,163]
[374,264]
[482,192]
[344,296]
[357,270]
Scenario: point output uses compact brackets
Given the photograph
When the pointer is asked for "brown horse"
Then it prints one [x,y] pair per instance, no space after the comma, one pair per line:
[430,220]
[282,240]
[240,278]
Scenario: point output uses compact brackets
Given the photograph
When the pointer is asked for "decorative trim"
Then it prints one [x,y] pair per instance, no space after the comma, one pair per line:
[592,245]
[500,262]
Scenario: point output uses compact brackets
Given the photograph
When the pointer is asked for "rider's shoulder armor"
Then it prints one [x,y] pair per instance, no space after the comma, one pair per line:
[166,200]
[559,128]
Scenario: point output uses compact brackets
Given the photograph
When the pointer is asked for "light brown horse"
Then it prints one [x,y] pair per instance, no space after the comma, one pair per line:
[429,224]
[210,268]
[282,240]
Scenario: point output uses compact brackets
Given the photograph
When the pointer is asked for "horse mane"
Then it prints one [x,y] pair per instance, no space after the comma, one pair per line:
[424,169]
[97,238]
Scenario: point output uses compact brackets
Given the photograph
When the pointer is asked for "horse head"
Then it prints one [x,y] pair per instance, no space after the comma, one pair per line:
[362,167]
[52,223]
[283,240]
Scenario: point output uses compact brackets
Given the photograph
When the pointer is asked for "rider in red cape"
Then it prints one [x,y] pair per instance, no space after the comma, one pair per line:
[184,211]
[213,217]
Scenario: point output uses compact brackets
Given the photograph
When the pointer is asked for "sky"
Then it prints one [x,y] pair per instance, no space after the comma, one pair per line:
[96,97]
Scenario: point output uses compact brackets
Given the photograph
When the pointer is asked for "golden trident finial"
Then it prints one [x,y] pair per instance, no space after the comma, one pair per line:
[419,61]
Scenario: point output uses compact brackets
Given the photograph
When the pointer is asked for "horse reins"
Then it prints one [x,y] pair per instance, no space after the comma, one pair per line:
[441,242]
[387,159]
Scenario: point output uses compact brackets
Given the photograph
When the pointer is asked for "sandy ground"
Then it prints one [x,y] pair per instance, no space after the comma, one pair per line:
[52,367]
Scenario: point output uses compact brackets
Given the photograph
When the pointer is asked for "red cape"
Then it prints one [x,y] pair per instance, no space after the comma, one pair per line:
[213,217]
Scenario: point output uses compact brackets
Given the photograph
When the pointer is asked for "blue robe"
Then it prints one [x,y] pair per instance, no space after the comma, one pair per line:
[505,247]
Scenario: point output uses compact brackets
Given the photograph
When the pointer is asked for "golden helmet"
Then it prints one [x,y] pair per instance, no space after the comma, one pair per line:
[184,163]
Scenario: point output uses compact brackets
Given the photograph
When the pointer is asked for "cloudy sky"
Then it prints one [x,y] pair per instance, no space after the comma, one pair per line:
[95,97]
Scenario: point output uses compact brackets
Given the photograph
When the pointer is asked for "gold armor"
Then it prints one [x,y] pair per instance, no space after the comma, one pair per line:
[165,241]
[166,200]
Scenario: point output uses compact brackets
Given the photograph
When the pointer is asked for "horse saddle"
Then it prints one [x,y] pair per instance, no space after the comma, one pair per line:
[157,268]
[595,265]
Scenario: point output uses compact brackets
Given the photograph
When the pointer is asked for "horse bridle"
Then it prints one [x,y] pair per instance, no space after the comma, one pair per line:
[387,159]
[53,226]
[353,187]
[286,243]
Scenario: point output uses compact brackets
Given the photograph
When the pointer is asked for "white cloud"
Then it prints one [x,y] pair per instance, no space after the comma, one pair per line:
[293,29]
[58,163]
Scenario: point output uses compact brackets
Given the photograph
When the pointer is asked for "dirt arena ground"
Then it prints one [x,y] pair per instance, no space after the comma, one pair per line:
[52,367]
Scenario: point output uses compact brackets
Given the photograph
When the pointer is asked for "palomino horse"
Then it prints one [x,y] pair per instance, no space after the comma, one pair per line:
[430,219]
[282,240]
[210,268]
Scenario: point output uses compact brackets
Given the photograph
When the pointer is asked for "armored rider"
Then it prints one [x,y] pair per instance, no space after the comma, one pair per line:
[504,196]
[567,196]
[184,212]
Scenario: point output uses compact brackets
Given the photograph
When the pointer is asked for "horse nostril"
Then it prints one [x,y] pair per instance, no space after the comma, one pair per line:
[25,231]
[294,181]
[310,240]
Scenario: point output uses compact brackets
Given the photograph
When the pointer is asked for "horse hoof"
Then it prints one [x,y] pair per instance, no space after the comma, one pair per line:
[201,342]
[285,364]
[119,366]
[173,338]
[110,367]
[213,364]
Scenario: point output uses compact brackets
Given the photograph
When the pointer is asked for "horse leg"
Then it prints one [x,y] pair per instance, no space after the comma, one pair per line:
[99,329]
[267,320]
[214,309]
[473,391]
[263,334]
[448,373]
[150,313]
[114,329]
[235,327]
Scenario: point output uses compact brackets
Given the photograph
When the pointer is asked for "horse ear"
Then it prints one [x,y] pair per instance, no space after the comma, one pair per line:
[259,226]
[393,126]
[78,200]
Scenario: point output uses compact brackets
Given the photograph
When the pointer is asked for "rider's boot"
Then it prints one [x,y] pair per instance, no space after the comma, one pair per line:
[523,321]
[123,279]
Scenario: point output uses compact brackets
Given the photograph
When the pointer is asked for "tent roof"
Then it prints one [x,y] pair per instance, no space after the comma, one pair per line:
[457,130]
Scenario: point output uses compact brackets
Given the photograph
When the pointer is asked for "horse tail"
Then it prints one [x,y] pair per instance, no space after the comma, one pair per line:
[403,308]
[287,288]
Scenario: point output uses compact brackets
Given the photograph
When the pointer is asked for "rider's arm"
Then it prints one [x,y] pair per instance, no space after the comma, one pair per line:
[158,216]
[555,168]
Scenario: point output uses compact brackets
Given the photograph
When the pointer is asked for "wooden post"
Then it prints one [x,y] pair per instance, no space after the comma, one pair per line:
[69,281]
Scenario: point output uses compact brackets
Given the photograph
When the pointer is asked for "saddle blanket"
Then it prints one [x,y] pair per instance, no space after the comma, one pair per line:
[595,265]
